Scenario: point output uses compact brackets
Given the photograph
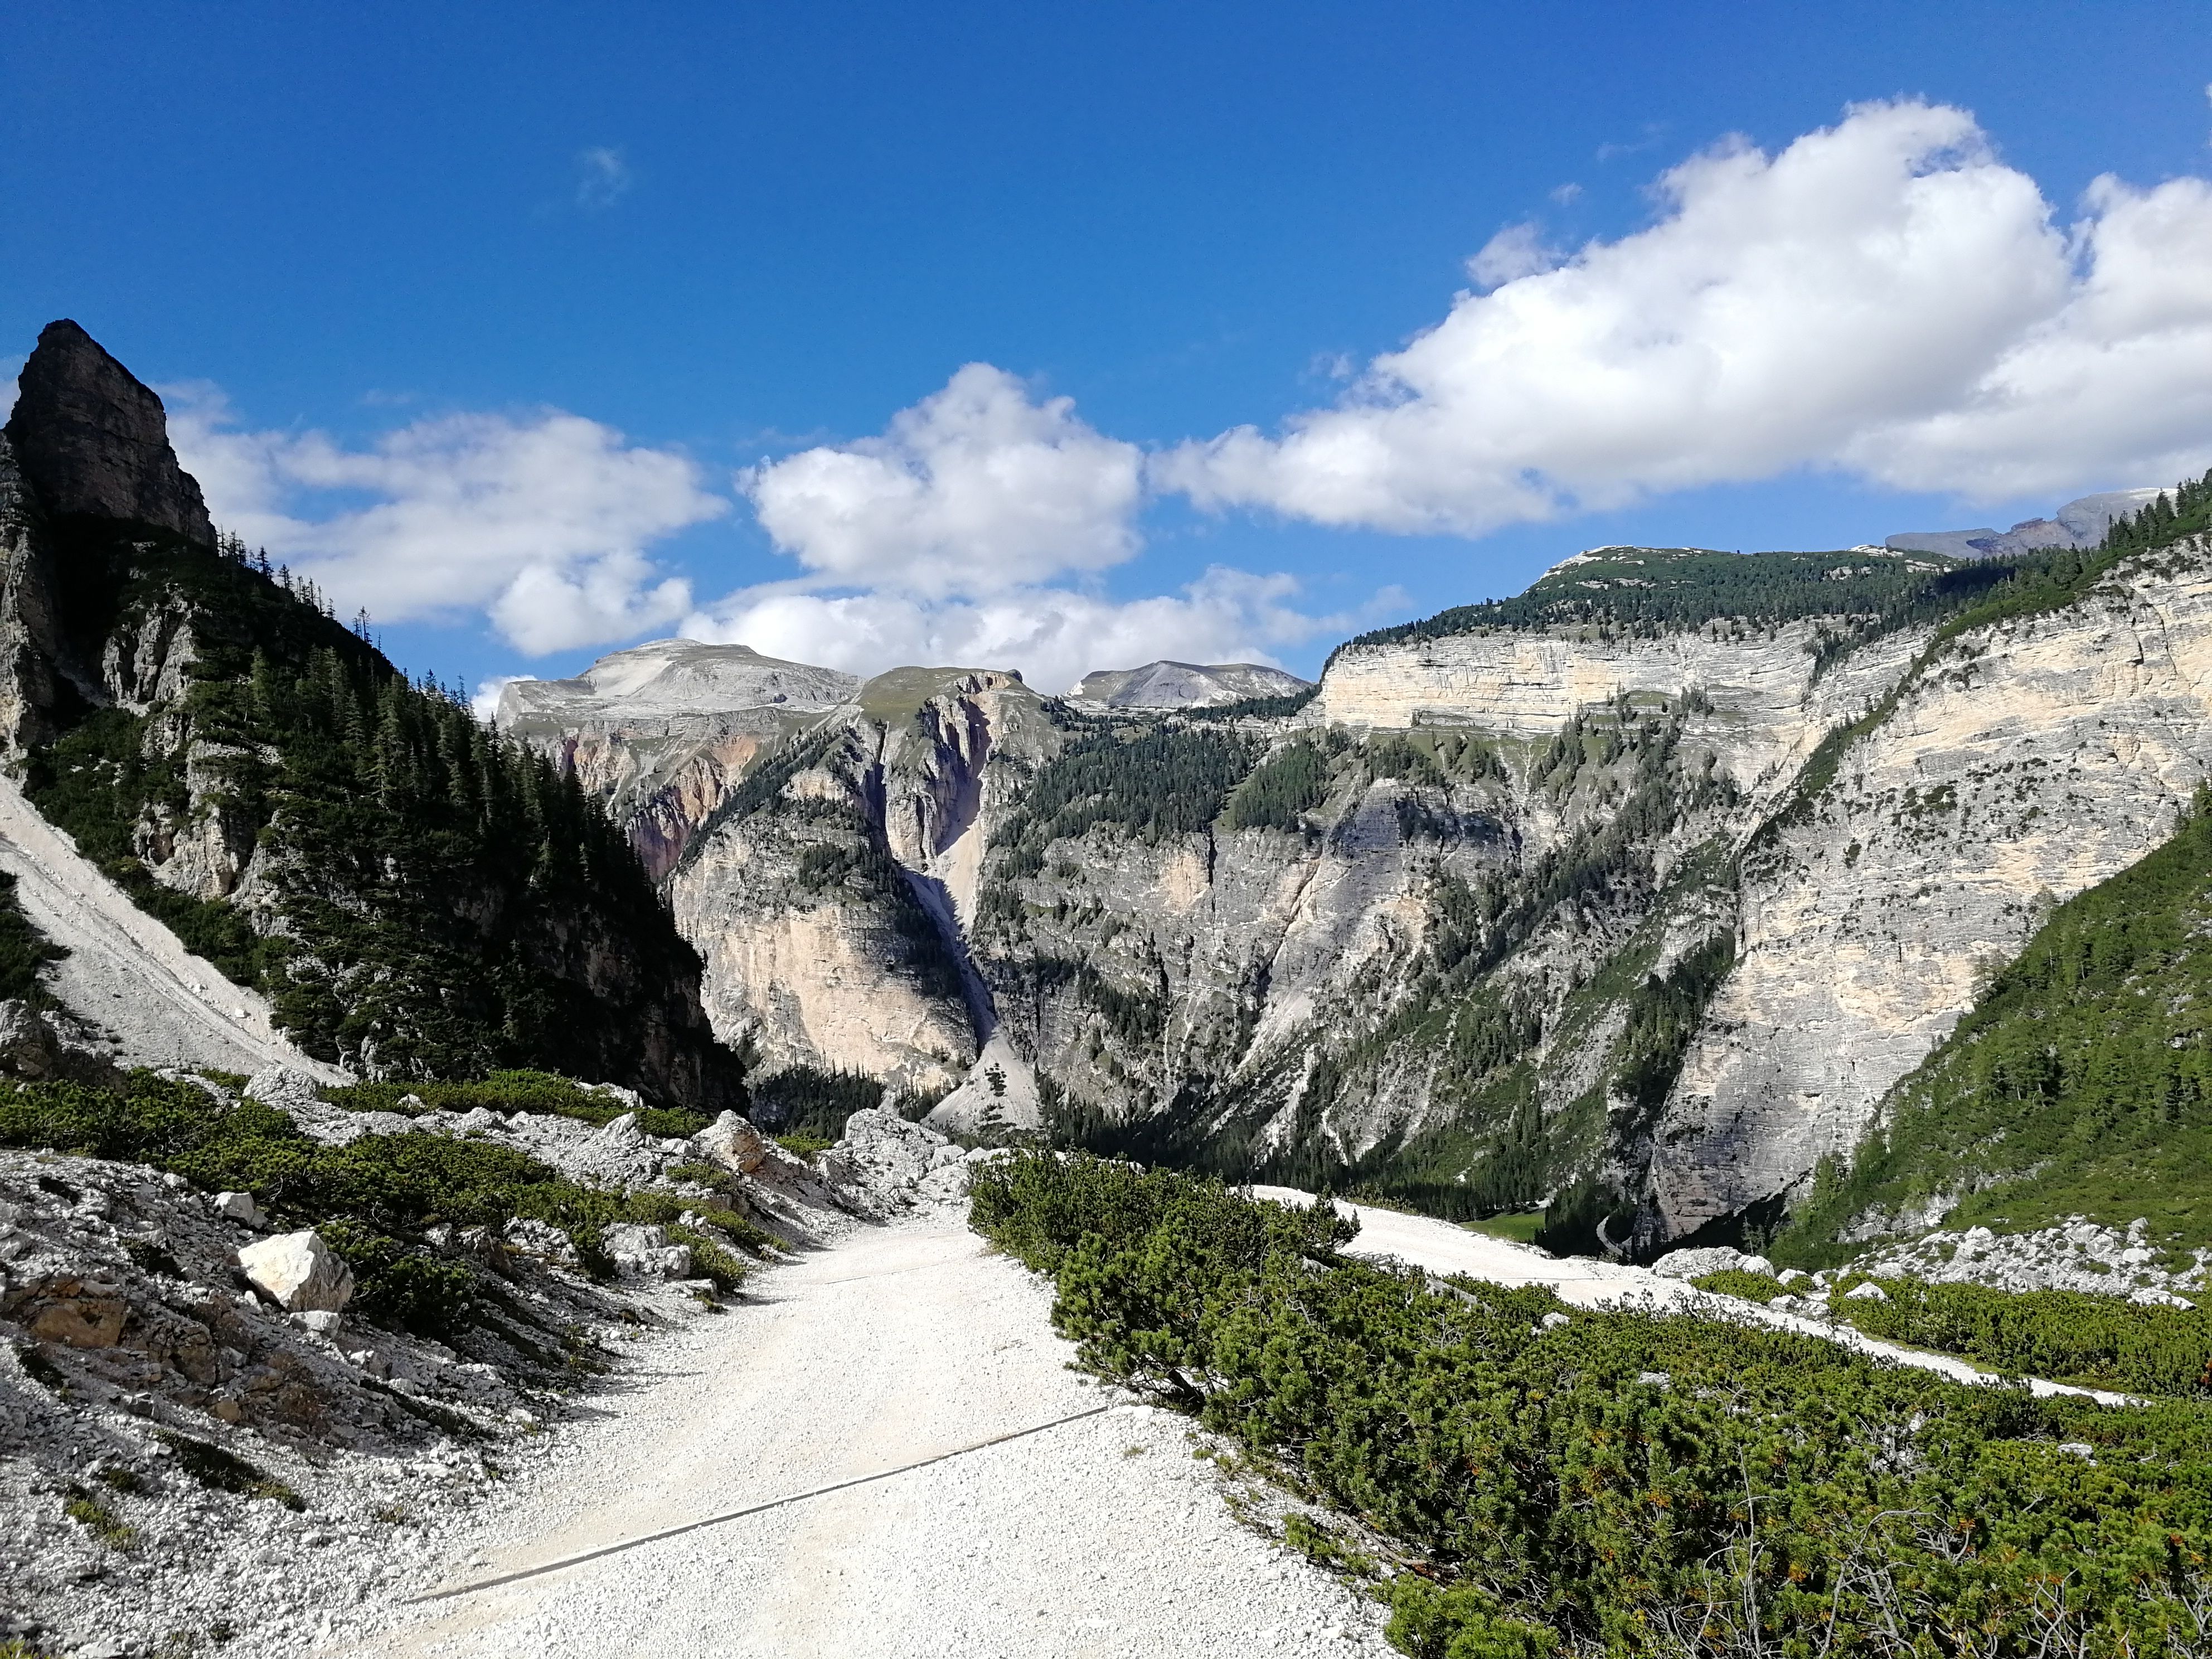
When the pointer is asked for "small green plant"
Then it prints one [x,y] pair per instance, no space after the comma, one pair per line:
[1324,1548]
[804,1145]
[219,1470]
[88,1511]
[121,1479]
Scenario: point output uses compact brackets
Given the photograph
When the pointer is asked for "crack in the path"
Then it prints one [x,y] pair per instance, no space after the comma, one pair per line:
[567,1561]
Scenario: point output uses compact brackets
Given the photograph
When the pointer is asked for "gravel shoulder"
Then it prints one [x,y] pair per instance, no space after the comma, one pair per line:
[1104,1536]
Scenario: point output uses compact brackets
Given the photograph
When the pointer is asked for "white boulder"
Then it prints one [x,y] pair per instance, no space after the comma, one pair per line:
[644,1252]
[733,1143]
[1718,1258]
[298,1273]
[1870,1291]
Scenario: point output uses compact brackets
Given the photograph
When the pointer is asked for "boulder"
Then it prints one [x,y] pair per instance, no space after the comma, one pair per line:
[285,1089]
[298,1273]
[240,1207]
[1868,1292]
[644,1252]
[46,1044]
[542,1239]
[93,442]
[77,1313]
[733,1143]
[1718,1258]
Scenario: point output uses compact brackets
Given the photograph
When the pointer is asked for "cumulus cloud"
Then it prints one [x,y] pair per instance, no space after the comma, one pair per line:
[1053,636]
[1885,297]
[603,178]
[975,490]
[541,522]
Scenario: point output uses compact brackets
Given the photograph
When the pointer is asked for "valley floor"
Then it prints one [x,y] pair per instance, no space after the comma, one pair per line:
[1103,1536]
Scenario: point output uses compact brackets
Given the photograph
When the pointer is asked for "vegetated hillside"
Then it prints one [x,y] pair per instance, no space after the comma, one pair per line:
[1523,1478]
[2081,1083]
[417,897]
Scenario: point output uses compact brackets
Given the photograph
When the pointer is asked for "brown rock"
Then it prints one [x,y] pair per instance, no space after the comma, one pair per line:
[93,442]
[79,1320]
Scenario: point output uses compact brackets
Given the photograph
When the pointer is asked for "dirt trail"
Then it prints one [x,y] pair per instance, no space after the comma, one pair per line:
[1099,1537]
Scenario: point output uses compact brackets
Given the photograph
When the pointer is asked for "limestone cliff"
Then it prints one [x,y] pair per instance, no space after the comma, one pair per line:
[1627,898]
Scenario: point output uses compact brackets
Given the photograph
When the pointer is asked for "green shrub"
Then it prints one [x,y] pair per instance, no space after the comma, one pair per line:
[400,1287]
[2070,1336]
[87,1510]
[1627,1482]
[1746,1286]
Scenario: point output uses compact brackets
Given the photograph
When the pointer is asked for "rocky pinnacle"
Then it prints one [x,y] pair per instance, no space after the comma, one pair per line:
[94,442]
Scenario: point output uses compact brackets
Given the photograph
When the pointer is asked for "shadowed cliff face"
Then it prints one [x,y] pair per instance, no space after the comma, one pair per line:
[92,442]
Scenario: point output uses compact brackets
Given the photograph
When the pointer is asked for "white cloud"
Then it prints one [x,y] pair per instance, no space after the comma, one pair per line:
[1883,297]
[975,490]
[1515,252]
[541,522]
[603,178]
[1053,636]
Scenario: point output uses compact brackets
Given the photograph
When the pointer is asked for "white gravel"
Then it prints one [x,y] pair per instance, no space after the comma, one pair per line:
[1104,1537]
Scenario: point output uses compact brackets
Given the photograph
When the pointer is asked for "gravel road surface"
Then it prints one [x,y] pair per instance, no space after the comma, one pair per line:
[1103,1536]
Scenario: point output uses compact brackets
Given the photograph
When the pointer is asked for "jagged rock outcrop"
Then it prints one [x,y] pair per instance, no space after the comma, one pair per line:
[95,443]
[2081,523]
[1186,685]
[662,732]
[830,910]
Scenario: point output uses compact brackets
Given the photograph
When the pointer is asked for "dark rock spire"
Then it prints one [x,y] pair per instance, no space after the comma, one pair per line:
[94,442]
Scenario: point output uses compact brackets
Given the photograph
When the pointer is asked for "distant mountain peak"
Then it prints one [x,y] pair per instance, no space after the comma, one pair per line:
[2082,522]
[1166,684]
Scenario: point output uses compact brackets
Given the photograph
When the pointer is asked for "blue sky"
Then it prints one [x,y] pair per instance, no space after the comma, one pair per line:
[479,311]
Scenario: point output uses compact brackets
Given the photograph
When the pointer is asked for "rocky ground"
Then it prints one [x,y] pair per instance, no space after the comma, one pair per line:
[186,1465]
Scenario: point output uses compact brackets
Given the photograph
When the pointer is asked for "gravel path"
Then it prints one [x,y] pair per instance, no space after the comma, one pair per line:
[1104,1536]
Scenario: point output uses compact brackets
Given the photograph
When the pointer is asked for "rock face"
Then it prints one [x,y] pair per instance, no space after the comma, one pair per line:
[1186,685]
[2021,764]
[95,443]
[471,913]
[1639,922]
[663,732]
[830,911]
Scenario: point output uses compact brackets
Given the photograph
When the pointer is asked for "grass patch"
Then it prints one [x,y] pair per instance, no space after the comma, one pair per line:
[219,1470]
[88,1511]
[1518,1229]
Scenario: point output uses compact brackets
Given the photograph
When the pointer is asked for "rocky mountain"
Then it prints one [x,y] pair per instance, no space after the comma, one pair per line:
[412,896]
[2080,523]
[661,732]
[1630,898]
[1159,685]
